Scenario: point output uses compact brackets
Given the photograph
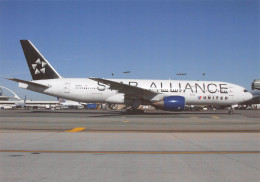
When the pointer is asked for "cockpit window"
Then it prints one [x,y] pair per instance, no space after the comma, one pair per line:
[245,90]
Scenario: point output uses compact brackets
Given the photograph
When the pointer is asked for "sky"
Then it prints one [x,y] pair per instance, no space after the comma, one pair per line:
[152,39]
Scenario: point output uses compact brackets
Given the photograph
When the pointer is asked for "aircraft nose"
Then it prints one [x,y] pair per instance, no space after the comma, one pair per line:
[248,96]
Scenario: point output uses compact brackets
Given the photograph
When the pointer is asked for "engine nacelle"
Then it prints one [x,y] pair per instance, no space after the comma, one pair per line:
[171,103]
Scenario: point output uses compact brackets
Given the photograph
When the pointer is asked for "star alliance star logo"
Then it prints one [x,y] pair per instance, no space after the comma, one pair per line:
[41,67]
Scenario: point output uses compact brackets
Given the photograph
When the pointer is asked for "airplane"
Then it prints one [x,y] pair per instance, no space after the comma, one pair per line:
[69,104]
[168,95]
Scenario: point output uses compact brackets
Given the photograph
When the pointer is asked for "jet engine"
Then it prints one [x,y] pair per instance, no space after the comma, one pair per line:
[170,103]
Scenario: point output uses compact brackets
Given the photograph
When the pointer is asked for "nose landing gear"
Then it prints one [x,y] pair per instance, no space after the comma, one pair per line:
[231,110]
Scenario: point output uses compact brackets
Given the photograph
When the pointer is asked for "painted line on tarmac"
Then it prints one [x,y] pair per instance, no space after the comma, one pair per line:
[215,117]
[129,131]
[125,121]
[172,131]
[76,129]
[130,152]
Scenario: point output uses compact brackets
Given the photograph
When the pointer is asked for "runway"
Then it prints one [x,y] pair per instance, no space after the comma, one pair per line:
[112,146]
[116,121]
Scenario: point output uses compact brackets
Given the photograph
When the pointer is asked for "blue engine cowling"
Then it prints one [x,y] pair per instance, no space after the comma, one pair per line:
[171,103]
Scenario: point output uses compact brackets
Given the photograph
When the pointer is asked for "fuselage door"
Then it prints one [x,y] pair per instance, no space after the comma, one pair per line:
[67,88]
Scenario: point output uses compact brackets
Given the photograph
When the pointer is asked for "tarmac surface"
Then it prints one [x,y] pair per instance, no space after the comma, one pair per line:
[70,145]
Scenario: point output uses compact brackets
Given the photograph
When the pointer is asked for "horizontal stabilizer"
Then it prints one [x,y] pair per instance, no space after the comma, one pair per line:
[28,82]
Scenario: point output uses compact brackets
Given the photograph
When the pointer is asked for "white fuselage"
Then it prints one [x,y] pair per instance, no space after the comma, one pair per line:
[195,92]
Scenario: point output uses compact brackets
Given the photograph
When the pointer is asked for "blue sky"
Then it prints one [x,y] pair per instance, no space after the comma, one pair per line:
[152,39]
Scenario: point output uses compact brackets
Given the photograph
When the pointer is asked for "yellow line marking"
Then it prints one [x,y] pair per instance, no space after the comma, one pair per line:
[216,117]
[141,131]
[75,130]
[135,152]
[125,121]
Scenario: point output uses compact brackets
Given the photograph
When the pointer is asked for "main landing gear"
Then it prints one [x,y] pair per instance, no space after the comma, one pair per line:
[134,108]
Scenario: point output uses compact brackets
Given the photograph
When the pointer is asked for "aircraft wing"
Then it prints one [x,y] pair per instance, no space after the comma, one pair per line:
[28,82]
[128,90]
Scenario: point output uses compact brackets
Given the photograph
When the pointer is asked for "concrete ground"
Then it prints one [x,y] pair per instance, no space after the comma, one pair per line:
[118,121]
[112,146]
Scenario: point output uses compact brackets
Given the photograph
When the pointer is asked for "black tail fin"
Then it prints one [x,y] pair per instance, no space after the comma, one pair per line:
[39,67]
